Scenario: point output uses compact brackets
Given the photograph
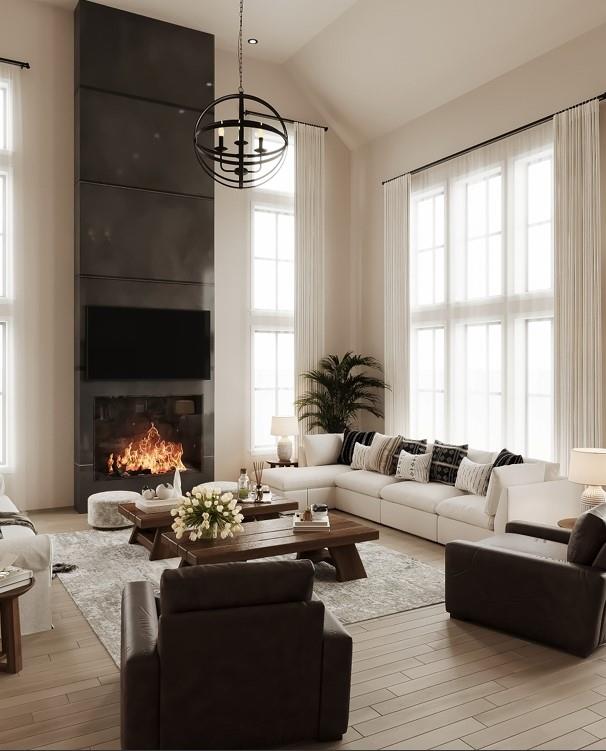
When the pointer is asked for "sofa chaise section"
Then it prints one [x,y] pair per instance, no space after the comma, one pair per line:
[295,482]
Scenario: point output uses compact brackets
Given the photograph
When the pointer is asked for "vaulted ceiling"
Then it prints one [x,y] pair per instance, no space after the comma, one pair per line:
[373,65]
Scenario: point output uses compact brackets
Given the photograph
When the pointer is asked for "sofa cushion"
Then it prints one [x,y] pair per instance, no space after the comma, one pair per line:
[481,457]
[322,448]
[350,438]
[302,478]
[445,462]
[502,478]
[422,496]
[526,544]
[588,536]
[363,481]
[468,509]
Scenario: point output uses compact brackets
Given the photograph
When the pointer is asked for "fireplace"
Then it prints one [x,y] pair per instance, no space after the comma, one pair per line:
[147,436]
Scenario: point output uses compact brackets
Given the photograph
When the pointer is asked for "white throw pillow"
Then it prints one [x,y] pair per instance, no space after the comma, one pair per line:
[473,477]
[322,448]
[413,466]
[358,459]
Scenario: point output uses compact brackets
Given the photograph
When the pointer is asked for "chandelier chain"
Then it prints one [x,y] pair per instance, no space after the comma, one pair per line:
[240,89]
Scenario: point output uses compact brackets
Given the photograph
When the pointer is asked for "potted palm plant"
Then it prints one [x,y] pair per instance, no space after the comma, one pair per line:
[339,388]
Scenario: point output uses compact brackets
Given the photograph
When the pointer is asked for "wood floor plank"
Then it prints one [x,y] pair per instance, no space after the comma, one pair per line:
[544,733]
[439,735]
[575,739]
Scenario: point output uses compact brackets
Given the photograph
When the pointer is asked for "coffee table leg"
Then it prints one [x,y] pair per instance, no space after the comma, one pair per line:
[156,549]
[11,634]
[348,563]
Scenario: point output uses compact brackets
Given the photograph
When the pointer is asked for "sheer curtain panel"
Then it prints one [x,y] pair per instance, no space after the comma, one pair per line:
[309,252]
[396,195]
[578,305]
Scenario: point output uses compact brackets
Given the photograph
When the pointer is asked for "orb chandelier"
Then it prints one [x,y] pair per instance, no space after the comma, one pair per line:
[241,150]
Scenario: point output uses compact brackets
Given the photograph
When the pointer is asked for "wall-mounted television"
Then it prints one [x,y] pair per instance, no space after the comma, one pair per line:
[146,343]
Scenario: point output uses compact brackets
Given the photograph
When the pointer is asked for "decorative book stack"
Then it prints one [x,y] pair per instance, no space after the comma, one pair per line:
[319,521]
[12,577]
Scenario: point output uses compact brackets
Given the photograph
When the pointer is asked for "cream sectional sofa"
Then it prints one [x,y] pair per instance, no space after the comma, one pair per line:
[532,491]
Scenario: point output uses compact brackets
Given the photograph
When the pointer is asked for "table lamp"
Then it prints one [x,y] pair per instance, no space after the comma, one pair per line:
[284,427]
[588,467]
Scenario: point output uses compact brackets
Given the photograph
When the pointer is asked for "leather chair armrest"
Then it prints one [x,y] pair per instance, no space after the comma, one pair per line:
[140,668]
[336,680]
[550,601]
[544,531]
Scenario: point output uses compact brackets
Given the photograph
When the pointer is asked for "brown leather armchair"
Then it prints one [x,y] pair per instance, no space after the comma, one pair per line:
[235,655]
[538,582]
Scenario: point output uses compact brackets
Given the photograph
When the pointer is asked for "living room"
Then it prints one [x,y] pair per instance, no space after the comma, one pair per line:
[302,320]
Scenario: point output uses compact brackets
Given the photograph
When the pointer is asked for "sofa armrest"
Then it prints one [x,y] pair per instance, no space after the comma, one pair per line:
[539,502]
[547,600]
[140,668]
[33,551]
[336,679]
[545,532]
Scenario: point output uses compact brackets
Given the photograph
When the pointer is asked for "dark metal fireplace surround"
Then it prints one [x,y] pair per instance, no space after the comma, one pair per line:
[143,233]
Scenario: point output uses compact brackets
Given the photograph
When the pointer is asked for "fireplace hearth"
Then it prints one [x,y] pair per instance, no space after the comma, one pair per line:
[137,436]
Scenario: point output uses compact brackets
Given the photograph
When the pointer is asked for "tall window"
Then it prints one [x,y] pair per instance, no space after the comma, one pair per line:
[272,303]
[6,240]
[481,262]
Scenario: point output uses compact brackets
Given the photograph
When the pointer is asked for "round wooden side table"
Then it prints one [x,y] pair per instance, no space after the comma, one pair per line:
[568,522]
[11,659]
[273,464]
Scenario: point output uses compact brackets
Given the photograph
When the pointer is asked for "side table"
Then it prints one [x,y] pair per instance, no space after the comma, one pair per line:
[568,522]
[274,464]
[10,623]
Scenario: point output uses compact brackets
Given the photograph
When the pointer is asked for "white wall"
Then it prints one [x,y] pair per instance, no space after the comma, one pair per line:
[43,473]
[569,74]
[232,405]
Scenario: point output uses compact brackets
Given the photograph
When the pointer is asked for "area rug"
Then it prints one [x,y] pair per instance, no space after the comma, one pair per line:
[106,562]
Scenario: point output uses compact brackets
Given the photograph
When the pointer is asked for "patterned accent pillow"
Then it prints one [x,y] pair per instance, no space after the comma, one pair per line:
[411,446]
[381,452]
[505,457]
[350,438]
[359,456]
[473,477]
[413,466]
[445,462]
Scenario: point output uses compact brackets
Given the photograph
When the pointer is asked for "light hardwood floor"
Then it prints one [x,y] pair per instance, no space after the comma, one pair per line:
[419,681]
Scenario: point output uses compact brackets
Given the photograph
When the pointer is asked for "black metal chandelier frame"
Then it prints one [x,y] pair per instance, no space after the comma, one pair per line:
[249,164]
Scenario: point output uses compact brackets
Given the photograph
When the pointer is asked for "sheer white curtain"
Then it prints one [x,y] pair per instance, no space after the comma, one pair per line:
[578,330]
[396,194]
[309,252]
[481,297]
[12,281]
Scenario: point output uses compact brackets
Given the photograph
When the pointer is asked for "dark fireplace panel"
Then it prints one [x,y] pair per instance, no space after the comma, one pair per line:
[147,436]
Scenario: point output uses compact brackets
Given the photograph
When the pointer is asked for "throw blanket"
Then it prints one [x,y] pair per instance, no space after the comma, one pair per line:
[14,519]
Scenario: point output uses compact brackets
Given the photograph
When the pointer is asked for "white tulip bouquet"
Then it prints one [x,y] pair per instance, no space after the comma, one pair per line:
[206,513]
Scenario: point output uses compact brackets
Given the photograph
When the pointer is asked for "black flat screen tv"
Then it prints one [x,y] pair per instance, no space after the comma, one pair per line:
[146,343]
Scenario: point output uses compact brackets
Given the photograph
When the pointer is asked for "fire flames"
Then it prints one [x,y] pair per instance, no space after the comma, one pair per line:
[150,455]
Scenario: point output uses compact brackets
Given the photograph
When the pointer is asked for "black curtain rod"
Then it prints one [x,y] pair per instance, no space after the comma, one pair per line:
[18,63]
[513,132]
[286,119]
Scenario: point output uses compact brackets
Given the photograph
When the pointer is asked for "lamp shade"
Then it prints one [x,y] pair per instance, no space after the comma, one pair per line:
[587,466]
[284,425]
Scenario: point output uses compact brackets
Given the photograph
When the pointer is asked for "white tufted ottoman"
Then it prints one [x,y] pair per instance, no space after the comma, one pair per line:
[103,509]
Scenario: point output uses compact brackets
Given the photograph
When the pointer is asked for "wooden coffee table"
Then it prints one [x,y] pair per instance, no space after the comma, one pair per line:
[11,655]
[148,527]
[277,537]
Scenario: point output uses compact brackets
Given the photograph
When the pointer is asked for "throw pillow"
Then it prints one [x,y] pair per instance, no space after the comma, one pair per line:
[322,448]
[413,466]
[445,462]
[473,477]
[505,457]
[381,452]
[360,453]
[411,446]
[350,438]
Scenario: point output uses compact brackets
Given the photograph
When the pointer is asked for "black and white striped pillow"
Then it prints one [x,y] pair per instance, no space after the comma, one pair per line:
[350,438]
[411,446]
[473,477]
